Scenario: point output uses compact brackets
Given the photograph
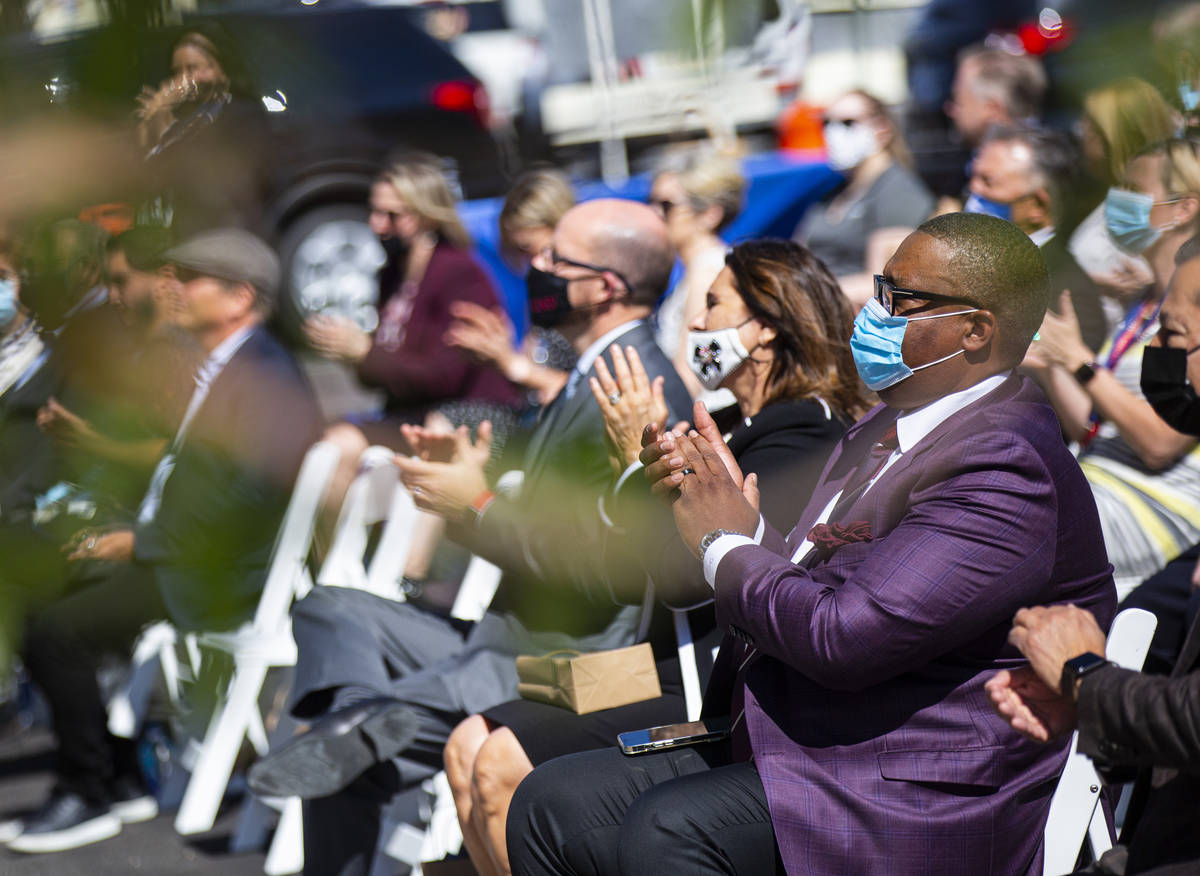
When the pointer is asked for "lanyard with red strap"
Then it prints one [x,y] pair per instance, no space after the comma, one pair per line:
[1133,329]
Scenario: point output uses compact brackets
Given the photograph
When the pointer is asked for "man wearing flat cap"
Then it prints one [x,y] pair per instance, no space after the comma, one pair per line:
[196,552]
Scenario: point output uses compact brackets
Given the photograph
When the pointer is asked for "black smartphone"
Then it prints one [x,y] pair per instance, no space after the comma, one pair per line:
[673,735]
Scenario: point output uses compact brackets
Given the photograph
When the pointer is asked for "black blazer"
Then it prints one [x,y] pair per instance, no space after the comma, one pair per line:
[1126,719]
[210,541]
[549,540]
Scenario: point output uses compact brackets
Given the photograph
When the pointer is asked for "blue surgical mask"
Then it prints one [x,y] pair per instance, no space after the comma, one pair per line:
[1127,217]
[9,308]
[988,207]
[1189,96]
[878,341]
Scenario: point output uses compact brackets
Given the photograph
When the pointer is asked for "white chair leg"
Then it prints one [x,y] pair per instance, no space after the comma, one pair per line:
[1098,834]
[213,768]
[286,854]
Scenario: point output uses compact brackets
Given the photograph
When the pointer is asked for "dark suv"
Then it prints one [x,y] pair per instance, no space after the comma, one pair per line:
[341,85]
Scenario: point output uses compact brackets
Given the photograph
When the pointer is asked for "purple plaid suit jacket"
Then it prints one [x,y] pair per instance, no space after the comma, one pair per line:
[865,708]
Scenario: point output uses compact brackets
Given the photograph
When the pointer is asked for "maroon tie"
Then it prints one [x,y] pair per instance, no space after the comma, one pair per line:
[873,462]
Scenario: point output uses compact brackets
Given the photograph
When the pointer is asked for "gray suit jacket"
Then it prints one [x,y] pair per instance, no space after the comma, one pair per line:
[549,540]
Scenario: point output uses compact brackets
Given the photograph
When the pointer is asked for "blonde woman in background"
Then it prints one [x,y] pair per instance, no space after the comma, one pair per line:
[881,194]
[533,206]
[697,193]
[425,380]
[1120,120]
[1144,474]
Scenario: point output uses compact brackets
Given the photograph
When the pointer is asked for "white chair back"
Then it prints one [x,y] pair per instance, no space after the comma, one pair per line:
[375,496]
[1074,813]
[288,575]
[264,643]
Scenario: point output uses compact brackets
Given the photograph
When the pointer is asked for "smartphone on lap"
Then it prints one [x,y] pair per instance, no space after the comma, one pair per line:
[673,735]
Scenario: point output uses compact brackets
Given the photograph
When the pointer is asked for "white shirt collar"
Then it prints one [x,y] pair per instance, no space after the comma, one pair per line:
[226,350]
[914,425]
[588,356]
[1042,236]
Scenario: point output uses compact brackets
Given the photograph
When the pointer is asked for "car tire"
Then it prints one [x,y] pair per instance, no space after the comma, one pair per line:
[330,259]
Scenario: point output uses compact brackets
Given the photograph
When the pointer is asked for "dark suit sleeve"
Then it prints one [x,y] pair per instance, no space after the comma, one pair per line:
[1130,719]
[555,533]
[425,369]
[976,541]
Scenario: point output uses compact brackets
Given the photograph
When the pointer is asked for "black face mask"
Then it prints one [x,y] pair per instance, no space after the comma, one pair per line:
[548,302]
[395,248]
[1166,387]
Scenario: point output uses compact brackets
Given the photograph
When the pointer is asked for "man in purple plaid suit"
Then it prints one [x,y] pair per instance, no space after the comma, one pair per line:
[858,647]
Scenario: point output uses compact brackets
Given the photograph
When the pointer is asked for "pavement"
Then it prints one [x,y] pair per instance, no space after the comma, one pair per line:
[153,847]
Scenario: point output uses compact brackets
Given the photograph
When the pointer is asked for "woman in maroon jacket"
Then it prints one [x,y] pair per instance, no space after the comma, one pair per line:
[428,269]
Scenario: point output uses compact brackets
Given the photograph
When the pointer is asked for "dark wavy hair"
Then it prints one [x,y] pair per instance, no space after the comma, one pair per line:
[790,289]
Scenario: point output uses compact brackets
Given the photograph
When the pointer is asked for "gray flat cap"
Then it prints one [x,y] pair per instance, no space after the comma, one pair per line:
[229,254]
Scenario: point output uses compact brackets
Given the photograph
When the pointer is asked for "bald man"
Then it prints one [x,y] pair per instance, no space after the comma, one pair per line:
[608,264]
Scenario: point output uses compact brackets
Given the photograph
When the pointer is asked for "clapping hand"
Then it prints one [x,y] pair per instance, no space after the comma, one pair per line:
[1060,340]
[485,335]
[697,470]
[446,476]
[631,403]
[1029,705]
[1031,699]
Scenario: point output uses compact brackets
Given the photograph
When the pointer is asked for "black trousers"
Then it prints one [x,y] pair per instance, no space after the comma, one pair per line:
[1169,596]
[679,811]
[62,645]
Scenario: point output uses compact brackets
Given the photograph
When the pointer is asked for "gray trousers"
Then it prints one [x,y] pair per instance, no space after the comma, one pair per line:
[352,637]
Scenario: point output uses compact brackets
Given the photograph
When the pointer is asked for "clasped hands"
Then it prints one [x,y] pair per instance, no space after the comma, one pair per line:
[337,337]
[1031,698]
[697,472]
[113,545]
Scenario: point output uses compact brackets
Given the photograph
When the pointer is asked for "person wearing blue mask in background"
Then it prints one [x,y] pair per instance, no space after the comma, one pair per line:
[1025,175]
[1144,474]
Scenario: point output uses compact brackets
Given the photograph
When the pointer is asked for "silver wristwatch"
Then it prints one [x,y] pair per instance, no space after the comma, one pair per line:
[709,538]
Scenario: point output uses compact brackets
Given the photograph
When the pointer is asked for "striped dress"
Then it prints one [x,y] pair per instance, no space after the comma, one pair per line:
[1148,517]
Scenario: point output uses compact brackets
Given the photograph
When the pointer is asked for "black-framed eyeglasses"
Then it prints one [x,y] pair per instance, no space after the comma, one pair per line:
[888,293]
[552,259]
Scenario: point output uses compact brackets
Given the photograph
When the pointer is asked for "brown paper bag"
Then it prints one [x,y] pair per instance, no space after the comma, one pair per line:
[590,682]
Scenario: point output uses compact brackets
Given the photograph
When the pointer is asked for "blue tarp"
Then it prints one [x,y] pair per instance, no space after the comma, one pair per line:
[781,188]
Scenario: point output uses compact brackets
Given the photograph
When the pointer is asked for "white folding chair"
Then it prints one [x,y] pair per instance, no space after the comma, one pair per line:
[1075,816]
[375,496]
[261,644]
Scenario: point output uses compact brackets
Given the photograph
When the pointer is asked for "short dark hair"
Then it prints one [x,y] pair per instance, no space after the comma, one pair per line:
[1056,159]
[1002,270]
[143,246]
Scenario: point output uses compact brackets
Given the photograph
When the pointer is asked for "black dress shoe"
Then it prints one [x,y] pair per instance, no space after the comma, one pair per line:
[66,821]
[336,750]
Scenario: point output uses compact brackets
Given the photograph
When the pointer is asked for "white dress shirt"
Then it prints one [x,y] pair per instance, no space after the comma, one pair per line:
[911,427]
[204,377]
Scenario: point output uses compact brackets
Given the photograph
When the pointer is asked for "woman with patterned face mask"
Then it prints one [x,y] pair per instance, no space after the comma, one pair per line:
[863,142]
[1145,475]
[775,330]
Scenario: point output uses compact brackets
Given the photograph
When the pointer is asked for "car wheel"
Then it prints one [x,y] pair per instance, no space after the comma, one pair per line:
[330,261]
